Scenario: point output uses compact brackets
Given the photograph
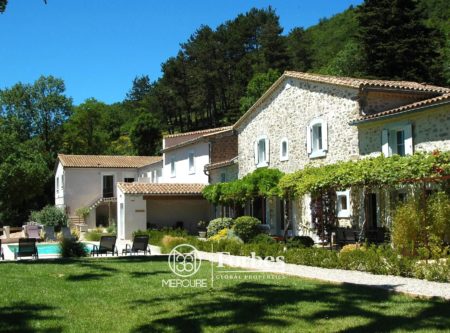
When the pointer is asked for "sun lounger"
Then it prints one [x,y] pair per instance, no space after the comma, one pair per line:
[49,232]
[27,248]
[32,231]
[140,244]
[107,245]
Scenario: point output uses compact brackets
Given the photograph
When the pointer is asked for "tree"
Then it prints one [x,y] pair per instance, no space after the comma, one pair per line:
[146,135]
[24,176]
[3,4]
[256,88]
[396,43]
[84,132]
[298,50]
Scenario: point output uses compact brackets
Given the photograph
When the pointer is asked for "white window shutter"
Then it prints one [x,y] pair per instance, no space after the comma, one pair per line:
[308,139]
[385,142]
[267,151]
[409,147]
[324,136]
[256,152]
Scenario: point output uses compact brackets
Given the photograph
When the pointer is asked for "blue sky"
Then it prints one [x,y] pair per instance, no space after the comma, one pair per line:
[99,46]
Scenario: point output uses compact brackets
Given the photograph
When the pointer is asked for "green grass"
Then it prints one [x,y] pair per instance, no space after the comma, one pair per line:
[126,295]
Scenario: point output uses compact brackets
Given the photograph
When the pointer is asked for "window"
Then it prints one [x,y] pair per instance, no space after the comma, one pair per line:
[316,138]
[62,182]
[128,180]
[262,152]
[343,203]
[397,140]
[154,176]
[108,186]
[172,167]
[57,184]
[284,154]
[223,177]
[191,163]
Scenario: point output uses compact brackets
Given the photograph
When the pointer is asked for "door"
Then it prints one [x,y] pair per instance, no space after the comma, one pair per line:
[372,211]
[108,186]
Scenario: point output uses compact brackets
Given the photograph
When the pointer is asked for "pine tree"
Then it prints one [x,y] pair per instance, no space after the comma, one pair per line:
[396,43]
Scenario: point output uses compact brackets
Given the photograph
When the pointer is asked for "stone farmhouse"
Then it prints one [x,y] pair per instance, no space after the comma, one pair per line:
[307,119]
[302,119]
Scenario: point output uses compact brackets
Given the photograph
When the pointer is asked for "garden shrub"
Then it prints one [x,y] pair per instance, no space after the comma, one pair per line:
[300,241]
[155,236]
[169,242]
[71,248]
[433,270]
[422,230]
[406,230]
[218,224]
[312,257]
[222,234]
[438,212]
[263,238]
[50,216]
[352,247]
[247,227]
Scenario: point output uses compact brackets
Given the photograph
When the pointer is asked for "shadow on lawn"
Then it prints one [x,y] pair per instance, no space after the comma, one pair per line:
[18,318]
[321,307]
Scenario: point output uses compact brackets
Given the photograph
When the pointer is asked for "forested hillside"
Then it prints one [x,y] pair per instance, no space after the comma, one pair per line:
[218,73]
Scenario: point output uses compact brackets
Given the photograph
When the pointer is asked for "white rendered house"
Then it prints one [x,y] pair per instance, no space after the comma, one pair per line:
[176,200]
[90,181]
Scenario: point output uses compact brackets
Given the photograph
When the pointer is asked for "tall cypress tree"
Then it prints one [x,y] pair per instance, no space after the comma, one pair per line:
[396,43]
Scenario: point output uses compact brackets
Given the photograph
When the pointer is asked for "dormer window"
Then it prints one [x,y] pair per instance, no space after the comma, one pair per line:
[262,152]
[284,153]
[317,138]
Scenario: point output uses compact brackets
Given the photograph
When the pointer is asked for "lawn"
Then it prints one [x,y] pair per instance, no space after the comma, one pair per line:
[126,295]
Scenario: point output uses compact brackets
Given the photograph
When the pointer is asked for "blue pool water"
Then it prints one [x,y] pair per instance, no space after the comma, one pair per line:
[48,248]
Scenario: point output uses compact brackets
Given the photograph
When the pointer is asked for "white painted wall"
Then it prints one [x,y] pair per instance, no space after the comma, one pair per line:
[131,214]
[181,156]
[145,173]
[84,185]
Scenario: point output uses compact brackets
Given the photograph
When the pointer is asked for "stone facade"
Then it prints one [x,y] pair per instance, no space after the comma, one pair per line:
[431,130]
[226,173]
[287,113]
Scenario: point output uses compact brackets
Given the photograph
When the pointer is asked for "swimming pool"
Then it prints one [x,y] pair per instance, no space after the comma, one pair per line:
[48,249]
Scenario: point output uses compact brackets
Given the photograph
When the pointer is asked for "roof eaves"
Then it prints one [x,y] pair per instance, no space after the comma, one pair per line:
[392,113]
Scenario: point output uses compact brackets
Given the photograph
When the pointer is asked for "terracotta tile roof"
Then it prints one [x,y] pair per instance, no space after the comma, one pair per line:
[346,82]
[221,164]
[406,108]
[361,83]
[106,161]
[205,131]
[161,189]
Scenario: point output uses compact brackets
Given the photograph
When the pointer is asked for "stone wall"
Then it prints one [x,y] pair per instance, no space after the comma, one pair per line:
[287,113]
[231,173]
[431,130]
[223,148]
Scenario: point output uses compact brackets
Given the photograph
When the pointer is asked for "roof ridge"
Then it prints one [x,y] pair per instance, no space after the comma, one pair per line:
[208,130]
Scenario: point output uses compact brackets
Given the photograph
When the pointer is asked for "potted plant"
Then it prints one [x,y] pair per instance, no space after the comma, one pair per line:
[201,225]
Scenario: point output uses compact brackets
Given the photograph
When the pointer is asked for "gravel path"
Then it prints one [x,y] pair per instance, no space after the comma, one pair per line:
[393,283]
